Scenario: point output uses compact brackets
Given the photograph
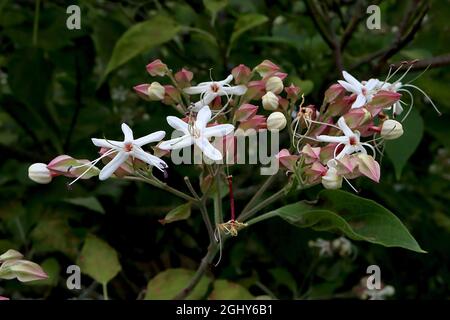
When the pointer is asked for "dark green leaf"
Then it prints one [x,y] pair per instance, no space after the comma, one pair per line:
[182,212]
[355,217]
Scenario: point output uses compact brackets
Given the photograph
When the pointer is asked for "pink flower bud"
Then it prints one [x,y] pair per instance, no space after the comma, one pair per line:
[256,122]
[266,67]
[284,103]
[157,68]
[286,159]
[3,298]
[245,112]
[333,92]
[142,90]
[23,270]
[311,154]
[383,99]
[346,165]
[369,167]
[67,166]
[315,173]
[241,74]
[292,92]
[171,95]
[255,90]
[184,77]
[357,117]
[340,105]
[11,254]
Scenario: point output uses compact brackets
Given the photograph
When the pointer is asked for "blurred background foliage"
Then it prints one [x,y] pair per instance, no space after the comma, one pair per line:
[60,87]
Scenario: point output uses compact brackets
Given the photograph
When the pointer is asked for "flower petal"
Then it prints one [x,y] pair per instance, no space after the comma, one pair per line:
[347,86]
[348,149]
[351,79]
[113,165]
[208,149]
[203,117]
[148,158]
[359,102]
[127,132]
[227,80]
[236,90]
[372,83]
[208,98]
[201,87]
[152,137]
[344,127]
[218,131]
[178,124]
[332,139]
[177,143]
[110,144]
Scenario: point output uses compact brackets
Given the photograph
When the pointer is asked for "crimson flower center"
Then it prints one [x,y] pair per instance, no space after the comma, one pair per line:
[128,147]
[214,87]
[353,140]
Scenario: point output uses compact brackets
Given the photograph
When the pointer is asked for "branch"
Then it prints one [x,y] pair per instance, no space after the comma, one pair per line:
[433,62]
[204,264]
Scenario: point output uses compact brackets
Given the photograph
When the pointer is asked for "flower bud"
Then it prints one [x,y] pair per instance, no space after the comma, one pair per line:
[10,255]
[171,95]
[255,90]
[142,90]
[369,167]
[69,167]
[383,99]
[266,67]
[275,85]
[357,117]
[311,154]
[292,92]
[184,77]
[23,270]
[270,101]
[245,112]
[286,159]
[157,68]
[391,129]
[276,121]
[156,91]
[38,172]
[333,92]
[241,74]
[256,122]
[331,180]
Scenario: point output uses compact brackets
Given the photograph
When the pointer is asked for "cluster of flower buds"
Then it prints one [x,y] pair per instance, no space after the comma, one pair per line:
[334,143]
[342,141]
[13,266]
[340,246]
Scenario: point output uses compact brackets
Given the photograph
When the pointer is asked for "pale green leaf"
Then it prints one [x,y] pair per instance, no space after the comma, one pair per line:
[167,284]
[182,212]
[99,260]
[227,290]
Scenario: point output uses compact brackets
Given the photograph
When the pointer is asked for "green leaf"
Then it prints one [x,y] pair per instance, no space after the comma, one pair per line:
[214,6]
[140,38]
[182,212]
[355,217]
[90,203]
[227,290]
[306,86]
[245,23]
[167,284]
[401,149]
[99,260]
[54,234]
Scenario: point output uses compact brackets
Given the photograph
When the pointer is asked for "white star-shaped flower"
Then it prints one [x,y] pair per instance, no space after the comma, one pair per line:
[350,140]
[129,147]
[364,90]
[210,90]
[198,134]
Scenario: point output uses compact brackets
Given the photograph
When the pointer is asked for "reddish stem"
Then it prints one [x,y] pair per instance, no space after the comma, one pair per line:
[230,188]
